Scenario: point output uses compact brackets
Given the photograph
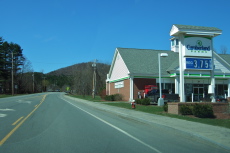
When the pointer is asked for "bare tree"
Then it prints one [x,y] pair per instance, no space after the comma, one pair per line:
[214,50]
[223,50]
[25,77]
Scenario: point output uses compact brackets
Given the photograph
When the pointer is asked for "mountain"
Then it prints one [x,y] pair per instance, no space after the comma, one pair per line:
[79,77]
[102,68]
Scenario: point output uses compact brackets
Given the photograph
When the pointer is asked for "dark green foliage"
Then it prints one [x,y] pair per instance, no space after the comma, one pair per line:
[115,97]
[109,97]
[118,97]
[79,77]
[165,107]
[145,101]
[10,55]
[186,110]
[203,111]
[138,101]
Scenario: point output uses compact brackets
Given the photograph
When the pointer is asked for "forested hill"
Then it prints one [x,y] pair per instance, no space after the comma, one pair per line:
[70,70]
[78,77]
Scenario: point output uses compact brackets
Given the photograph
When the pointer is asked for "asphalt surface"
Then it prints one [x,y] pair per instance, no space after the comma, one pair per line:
[215,134]
[56,123]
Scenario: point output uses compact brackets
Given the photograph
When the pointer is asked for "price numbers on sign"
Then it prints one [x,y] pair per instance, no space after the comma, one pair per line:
[198,63]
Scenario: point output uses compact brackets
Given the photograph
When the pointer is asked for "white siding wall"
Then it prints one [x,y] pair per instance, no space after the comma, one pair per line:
[119,70]
[220,66]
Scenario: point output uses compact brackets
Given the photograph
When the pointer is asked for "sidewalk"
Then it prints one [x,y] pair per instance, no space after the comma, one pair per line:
[214,134]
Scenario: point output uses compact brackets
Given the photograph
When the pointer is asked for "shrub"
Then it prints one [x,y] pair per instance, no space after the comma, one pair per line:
[165,107]
[145,101]
[109,97]
[115,97]
[138,101]
[186,110]
[118,97]
[203,111]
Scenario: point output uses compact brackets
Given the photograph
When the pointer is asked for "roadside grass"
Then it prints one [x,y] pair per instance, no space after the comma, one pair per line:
[152,109]
[5,96]
[159,111]
[87,97]
[147,109]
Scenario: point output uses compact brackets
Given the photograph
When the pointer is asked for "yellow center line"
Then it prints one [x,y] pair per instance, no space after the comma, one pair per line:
[18,120]
[16,127]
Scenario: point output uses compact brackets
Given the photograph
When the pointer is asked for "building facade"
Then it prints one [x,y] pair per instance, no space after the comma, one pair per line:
[132,69]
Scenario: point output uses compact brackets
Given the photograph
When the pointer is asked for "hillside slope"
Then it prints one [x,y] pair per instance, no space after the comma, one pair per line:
[78,77]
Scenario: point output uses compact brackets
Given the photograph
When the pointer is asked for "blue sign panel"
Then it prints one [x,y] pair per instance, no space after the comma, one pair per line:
[198,63]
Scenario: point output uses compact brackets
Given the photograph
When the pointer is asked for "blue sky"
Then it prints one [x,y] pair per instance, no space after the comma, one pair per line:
[59,33]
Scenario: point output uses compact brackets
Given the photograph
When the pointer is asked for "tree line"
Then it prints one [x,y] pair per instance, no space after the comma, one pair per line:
[17,75]
[15,69]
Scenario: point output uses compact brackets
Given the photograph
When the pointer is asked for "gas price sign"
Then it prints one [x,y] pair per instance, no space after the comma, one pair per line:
[198,63]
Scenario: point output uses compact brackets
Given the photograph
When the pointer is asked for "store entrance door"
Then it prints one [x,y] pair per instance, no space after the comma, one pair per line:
[198,93]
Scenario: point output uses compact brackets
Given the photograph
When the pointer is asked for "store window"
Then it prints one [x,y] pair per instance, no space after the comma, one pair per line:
[221,89]
[172,42]
[169,86]
[177,42]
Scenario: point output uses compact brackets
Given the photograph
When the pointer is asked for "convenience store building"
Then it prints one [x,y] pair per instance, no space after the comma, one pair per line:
[203,71]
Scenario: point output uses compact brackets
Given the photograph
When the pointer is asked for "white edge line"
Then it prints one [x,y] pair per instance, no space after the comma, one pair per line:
[115,127]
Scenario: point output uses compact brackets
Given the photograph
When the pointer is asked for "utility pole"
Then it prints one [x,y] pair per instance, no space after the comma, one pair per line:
[44,83]
[94,77]
[33,81]
[12,73]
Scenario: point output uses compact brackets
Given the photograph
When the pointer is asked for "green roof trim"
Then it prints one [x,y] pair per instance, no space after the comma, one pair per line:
[207,75]
[173,74]
[194,75]
[119,79]
[219,75]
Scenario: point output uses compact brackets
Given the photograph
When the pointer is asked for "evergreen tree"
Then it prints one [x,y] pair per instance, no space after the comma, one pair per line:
[10,55]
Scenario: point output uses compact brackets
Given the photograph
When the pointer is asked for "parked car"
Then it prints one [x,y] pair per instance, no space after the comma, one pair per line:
[154,95]
[221,99]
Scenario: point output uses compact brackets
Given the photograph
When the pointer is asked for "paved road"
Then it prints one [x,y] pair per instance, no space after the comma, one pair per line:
[53,123]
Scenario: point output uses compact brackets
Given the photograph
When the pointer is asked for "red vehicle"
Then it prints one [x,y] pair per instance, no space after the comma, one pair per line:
[149,88]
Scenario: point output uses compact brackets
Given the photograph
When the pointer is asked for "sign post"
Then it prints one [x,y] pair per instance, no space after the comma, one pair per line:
[195,47]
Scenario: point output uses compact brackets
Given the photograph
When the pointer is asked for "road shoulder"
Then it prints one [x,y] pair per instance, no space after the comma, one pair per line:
[214,134]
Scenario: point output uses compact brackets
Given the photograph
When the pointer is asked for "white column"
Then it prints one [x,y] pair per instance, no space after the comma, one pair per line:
[177,81]
[228,87]
[212,75]
[181,62]
[131,88]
